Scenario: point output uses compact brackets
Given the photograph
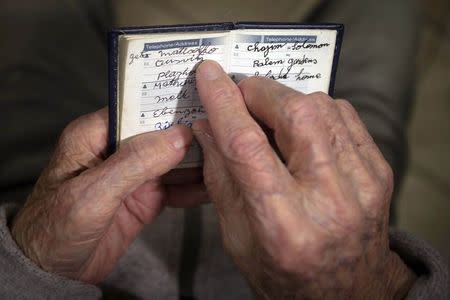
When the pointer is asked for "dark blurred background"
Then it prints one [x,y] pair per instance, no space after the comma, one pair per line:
[424,204]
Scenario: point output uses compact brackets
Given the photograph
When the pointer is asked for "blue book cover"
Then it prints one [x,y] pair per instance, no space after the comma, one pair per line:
[152,69]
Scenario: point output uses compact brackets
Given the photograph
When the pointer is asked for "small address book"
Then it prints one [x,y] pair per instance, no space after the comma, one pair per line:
[152,69]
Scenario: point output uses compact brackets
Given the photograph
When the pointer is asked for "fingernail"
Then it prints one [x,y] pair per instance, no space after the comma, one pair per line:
[179,144]
[210,70]
[177,138]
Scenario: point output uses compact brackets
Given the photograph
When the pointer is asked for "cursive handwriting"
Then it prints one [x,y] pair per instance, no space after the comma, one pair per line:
[267,62]
[256,47]
[180,96]
[134,57]
[180,121]
[169,74]
[200,51]
[177,61]
[163,125]
[306,45]
[301,61]
[178,111]
[301,76]
[282,74]
[196,55]
[190,81]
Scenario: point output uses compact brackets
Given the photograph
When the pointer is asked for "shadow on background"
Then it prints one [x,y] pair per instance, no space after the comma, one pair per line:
[424,205]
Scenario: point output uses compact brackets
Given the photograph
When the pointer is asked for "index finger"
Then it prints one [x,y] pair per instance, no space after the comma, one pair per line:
[300,131]
[241,141]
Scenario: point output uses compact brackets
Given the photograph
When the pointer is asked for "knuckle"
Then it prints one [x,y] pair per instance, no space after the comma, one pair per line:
[321,97]
[382,182]
[71,131]
[376,194]
[327,107]
[346,105]
[87,132]
[225,92]
[287,260]
[386,172]
[291,96]
[296,107]
[296,256]
[250,82]
[387,175]
[245,144]
[348,110]
[287,252]
[146,150]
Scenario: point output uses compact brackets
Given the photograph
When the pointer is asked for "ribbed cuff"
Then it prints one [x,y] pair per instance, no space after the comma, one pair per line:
[432,270]
[21,279]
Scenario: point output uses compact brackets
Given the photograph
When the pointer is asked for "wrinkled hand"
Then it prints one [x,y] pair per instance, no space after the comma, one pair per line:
[85,211]
[315,225]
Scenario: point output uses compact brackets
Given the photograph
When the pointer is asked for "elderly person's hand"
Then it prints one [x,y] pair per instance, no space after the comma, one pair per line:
[313,223]
[85,210]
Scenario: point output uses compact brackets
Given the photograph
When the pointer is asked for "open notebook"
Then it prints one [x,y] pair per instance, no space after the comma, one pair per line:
[152,69]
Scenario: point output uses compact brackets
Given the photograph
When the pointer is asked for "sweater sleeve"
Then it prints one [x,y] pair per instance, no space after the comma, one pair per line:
[433,281]
[21,279]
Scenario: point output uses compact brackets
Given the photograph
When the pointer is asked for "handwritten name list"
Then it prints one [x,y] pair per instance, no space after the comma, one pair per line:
[160,74]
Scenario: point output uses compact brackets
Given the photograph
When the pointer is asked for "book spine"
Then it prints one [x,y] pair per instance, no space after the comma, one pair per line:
[112,91]
[337,52]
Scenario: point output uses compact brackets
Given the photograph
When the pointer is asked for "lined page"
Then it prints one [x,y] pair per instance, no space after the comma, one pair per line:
[157,87]
[160,88]
[301,59]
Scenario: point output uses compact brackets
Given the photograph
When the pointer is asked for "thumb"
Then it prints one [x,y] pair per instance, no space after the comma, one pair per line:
[142,158]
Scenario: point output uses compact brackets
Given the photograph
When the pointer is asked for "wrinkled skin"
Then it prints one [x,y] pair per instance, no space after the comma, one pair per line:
[314,224]
[308,223]
[85,211]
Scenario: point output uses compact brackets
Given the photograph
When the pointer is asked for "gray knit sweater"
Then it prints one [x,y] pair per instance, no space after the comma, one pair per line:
[148,270]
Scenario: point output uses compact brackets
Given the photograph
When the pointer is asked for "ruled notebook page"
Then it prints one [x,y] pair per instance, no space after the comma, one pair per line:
[301,59]
[159,87]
